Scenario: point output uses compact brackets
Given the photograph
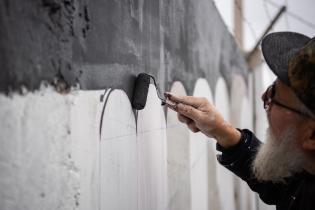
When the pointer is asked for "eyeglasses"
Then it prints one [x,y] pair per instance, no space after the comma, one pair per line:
[268,99]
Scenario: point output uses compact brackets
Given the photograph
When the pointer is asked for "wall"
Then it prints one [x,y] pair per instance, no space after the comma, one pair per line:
[69,137]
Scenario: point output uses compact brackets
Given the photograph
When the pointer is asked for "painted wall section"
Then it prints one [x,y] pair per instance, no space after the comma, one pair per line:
[37,168]
[152,154]
[225,178]
[85,112]
[178,158]
[118,154]
[203,173]
[92,154]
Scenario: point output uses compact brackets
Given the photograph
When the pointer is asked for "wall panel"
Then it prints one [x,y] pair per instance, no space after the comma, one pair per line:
[152,154]
[118,155]
[203,185]
[178,158]
[85,116]
[224,177]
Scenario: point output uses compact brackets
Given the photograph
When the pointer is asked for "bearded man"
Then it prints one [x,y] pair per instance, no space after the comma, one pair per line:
[282,170]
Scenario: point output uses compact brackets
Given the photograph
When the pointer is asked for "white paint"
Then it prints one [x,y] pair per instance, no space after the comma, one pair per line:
[52,143]
[37,170]
[118,155]
[199,158]
[237,95]
[178,167]
[246,114]
[224,177]
[152,178]
[85,119]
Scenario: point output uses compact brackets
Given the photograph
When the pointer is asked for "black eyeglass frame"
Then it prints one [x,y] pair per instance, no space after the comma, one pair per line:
[268,100]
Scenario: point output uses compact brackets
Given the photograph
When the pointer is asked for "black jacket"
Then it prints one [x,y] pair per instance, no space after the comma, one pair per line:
[297,194]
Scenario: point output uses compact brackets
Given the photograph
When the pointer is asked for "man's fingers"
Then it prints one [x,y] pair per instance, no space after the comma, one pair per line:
[188,111]
[192,127]
[183,119]
[189,100]
[190,123]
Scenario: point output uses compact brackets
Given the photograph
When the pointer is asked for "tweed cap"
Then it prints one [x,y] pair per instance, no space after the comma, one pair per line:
[291,56]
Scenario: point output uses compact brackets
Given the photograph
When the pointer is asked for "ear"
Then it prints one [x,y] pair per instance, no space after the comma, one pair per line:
[309,142]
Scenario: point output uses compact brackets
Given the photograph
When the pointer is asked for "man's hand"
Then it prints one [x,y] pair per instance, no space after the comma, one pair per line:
[200,115]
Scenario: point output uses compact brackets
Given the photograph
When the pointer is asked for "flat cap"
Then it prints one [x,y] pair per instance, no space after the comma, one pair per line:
[291,57]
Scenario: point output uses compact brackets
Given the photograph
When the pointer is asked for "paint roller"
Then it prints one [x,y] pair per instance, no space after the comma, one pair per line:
[141,89]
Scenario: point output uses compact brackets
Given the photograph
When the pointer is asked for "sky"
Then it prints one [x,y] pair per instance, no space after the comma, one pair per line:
[257,15]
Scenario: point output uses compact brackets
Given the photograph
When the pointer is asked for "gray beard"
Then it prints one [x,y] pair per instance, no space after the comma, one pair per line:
[276,161]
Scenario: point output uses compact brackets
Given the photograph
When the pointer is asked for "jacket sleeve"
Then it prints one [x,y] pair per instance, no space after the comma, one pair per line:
[239,158]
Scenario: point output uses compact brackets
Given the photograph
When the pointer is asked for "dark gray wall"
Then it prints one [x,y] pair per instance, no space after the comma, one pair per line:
[106,43]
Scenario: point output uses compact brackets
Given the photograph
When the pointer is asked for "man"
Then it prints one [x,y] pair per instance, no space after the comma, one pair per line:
[281,171]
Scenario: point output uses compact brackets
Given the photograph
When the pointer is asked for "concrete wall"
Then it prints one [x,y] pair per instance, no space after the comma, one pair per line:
[69,137]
